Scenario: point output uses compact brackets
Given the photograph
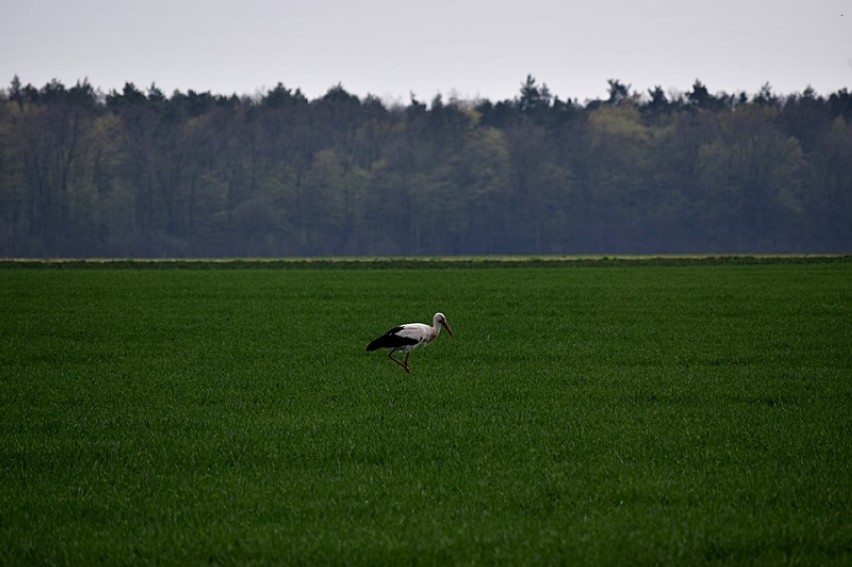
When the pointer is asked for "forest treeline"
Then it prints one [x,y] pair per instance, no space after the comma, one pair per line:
[138,173]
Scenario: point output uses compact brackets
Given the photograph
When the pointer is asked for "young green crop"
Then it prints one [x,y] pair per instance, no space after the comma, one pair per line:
[695,414]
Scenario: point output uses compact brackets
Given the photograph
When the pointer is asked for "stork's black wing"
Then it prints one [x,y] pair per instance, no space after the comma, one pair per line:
[392,339]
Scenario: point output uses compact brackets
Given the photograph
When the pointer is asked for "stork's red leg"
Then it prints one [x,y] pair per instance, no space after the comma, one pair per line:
[403,364]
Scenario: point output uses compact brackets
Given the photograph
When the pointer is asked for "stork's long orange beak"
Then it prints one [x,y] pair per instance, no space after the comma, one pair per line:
[447,327]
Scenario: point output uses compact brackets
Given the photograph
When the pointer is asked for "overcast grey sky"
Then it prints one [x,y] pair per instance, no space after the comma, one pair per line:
[470,49]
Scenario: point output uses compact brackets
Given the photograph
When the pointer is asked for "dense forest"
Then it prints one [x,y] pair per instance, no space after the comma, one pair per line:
[139,173]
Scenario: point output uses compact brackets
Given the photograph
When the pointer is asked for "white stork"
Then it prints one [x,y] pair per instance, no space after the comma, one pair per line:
[410,336]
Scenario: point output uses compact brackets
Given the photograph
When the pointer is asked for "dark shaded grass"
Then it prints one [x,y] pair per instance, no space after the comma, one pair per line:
[679,415]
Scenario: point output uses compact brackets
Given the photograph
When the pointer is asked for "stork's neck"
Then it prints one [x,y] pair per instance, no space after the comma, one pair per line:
[436,327]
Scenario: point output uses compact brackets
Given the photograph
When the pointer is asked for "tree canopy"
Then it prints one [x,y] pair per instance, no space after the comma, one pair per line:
[139,173]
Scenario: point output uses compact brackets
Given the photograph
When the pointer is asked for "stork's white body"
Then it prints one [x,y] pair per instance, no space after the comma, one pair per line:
[410,336]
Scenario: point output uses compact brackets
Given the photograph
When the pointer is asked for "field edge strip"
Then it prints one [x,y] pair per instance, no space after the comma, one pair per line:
[418,262]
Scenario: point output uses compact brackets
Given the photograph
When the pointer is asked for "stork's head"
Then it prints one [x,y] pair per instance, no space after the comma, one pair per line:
[442,320]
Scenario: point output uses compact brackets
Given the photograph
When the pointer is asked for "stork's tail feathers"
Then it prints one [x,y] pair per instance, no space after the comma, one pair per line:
[385,341]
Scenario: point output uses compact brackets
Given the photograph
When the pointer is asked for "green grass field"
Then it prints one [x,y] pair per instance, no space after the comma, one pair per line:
[582,415]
